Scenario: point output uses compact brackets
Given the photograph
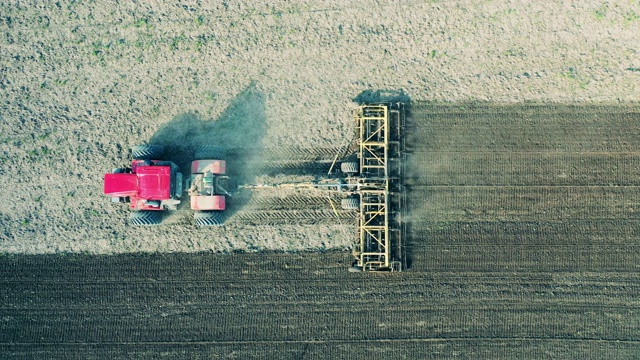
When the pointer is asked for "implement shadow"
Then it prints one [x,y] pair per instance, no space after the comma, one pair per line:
[239,130]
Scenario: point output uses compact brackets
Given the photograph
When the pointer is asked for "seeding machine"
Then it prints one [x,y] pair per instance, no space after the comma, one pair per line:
[376,182]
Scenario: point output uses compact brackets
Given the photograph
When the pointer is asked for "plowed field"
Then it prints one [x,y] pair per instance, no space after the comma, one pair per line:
[522,245]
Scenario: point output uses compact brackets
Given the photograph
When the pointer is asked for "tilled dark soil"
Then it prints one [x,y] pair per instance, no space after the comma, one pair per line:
[307,306]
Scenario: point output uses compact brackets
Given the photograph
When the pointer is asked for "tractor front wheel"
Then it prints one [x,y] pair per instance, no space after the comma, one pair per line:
[145,218]
[208,218]
[147,152]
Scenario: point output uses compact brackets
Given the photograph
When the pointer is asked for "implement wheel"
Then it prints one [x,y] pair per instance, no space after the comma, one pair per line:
[349,167]
[145,218]
[350,203]
[208,218]
[147,152]
[210,152]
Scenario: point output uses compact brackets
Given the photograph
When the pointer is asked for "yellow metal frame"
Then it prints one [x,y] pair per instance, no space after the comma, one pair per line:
[379,242]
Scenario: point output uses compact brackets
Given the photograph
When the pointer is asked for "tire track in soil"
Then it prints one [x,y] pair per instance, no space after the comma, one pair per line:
[283,217]
[297,168]
[291,208]
[283,155]
[295,202]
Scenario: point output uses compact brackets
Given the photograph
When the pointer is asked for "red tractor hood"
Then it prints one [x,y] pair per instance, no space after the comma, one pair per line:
[154,182]
[121,185]
[148,183]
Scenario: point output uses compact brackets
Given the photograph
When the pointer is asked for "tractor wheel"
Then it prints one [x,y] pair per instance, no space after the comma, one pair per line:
[145,218]
[210,152]
[349,167]
[208,218]
[350,203]
[147,152]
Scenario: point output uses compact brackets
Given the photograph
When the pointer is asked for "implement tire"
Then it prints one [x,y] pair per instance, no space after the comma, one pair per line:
[147,152]
[145,218]
[350,203]
[349,167]
[210,152]
[208,218]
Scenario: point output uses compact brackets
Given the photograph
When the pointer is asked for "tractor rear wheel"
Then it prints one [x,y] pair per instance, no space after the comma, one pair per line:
[147,152]
[208,218]
[145,218]
[350,203]
[349,167]
[210,152]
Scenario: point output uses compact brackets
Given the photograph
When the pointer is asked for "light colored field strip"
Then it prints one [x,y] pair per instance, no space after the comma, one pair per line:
[214,14]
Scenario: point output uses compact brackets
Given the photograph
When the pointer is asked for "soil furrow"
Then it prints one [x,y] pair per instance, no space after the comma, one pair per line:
[532,168]
[542,233]
[509,348]
[180,323]
[527,203]
[509,257]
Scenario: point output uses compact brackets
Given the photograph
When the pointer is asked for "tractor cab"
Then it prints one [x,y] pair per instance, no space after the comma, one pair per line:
[147,185]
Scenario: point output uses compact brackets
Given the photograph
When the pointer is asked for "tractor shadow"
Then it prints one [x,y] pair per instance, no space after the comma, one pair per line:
[239,130]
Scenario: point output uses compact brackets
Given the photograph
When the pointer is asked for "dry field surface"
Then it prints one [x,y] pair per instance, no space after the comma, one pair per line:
[523,173]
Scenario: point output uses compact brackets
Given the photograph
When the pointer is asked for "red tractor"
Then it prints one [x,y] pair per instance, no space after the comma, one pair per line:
[152,186]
